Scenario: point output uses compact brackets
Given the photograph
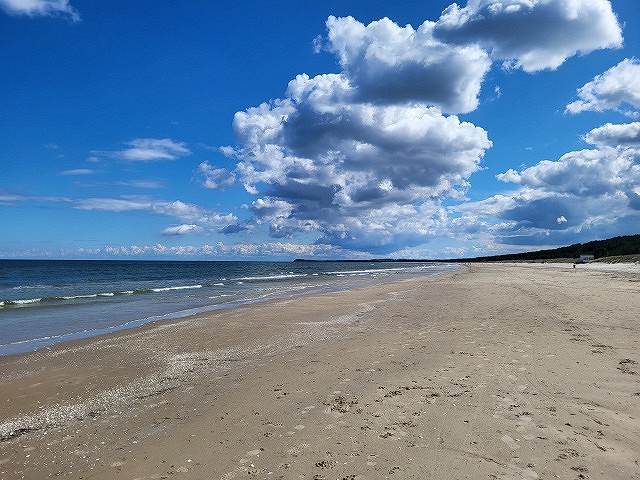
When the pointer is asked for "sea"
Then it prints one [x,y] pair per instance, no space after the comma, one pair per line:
[46,302]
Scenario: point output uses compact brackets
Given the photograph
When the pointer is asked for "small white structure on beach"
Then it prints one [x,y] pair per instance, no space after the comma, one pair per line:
[586,258]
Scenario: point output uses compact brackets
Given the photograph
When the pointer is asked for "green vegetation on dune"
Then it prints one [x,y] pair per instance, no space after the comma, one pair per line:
[620,259]
[612,250]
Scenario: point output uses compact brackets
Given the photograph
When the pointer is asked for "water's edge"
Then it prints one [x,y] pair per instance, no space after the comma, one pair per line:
[359,278]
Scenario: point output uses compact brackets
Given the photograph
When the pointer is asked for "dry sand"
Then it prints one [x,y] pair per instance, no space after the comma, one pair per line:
[492,372]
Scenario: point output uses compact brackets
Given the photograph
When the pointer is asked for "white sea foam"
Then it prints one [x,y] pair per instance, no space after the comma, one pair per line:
[25,302]
[283,276]
[77,297]
[373,270]
[182,287]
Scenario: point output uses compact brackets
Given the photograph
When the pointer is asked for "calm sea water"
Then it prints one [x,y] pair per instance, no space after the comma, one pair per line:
[47,302]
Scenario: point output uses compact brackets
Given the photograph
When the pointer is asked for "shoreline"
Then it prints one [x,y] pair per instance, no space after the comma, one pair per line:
[214,294]
[469,374]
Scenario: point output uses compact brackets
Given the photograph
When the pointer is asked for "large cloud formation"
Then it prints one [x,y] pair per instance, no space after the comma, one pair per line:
[357,155]
[532,34]
[365,157]
[591,189]
[595,189]
[351,155]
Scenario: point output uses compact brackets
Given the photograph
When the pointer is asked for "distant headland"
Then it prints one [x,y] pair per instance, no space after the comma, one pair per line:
[617,249]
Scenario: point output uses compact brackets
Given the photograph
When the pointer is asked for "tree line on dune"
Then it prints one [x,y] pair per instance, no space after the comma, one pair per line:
[623,245]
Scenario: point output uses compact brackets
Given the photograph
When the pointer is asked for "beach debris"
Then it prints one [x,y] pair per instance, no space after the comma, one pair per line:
[326,464]
[625,366]
[341,404]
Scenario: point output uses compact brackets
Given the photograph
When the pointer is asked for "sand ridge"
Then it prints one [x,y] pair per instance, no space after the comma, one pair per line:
[495,371]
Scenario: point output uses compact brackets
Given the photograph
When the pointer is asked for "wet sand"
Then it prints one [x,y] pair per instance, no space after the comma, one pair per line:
[496,371]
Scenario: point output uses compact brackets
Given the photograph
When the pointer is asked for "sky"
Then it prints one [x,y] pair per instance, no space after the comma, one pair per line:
[337,129]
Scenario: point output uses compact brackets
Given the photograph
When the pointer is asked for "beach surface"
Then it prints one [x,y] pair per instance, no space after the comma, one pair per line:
[495,371]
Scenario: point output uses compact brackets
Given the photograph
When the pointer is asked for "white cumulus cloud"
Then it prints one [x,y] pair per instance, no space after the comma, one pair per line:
[393,64]
[271,209]
[585,172]
[532,34]
[44,8]
[510,176]
[591,191]
[609,134]
[215,177]
[330,158]
[617,86]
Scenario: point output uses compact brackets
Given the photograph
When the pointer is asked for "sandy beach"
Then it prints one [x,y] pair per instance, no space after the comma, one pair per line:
[496,371]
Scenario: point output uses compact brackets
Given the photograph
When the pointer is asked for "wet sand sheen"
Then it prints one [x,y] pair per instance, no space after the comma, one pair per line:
[496,371]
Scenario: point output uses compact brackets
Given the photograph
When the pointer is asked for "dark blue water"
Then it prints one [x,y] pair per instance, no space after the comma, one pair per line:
[48,302]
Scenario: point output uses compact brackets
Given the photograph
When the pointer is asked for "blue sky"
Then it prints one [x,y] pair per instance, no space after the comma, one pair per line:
[336,129]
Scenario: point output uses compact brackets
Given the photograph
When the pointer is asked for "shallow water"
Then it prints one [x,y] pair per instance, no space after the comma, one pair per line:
[48,302]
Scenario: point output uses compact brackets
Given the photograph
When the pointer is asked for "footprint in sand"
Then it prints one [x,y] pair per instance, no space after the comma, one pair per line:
[297,450]
[524,473]
[229,476]
[326,464]
[511,443]
[522,425]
